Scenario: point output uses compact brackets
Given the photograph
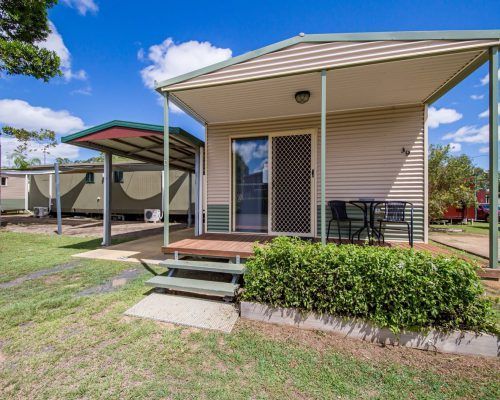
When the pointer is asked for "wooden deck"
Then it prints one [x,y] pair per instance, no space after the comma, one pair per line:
[232,245]
[217,245]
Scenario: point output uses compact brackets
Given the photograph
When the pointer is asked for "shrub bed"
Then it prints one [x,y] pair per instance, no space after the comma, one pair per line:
[394,288]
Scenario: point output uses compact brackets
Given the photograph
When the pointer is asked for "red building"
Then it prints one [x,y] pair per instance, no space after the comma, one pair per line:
[454,213]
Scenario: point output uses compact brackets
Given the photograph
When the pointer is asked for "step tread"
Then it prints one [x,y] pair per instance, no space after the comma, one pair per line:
[209,266]
[193,285]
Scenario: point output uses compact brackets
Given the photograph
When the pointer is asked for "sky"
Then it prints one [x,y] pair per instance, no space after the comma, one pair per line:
[112,51]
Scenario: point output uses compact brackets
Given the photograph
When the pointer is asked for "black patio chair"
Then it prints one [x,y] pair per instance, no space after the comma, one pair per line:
[394,212]
[339,215]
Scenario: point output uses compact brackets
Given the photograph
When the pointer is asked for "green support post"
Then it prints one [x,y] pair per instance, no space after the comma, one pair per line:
[493,153]
[323,157]
[166,172]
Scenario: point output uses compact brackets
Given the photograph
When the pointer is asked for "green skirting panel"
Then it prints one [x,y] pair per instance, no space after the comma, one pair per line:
[12,204]
[218,218]
[354,212]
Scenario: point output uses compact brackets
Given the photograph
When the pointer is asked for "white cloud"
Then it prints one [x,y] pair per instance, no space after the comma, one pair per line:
[469,134]
[83,6]
[437,117]
[477,96]
[486,113]
[86,91]
[62,150]
[455,147]
[54,42]
[484,149]
[21,114]
[169,59]
[486,79]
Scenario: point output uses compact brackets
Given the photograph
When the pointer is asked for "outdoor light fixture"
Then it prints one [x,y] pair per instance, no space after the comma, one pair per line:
[302,97]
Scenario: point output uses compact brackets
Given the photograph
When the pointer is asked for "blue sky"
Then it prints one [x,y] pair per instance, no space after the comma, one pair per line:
[106,44]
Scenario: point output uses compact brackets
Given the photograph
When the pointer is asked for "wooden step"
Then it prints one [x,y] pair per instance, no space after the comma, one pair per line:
[209,288]
[208,266]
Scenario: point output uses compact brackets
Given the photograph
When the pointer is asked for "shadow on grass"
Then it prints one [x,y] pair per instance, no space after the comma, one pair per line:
[95,243]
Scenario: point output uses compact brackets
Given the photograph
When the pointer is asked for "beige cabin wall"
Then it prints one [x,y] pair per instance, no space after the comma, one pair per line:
[364,157]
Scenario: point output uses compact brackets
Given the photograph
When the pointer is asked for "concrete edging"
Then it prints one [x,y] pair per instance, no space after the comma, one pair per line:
[451,342]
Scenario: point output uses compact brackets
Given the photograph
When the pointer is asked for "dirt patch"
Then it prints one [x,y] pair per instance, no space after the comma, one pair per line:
[40,274]
[114,283]
[83,227]
[471,367]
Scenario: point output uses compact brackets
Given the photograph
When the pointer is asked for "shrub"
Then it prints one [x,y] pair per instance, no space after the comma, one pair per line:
[394,288]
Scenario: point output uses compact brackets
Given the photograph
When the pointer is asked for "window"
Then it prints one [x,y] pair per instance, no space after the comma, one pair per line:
[118,176]
[3,181]
[89,177]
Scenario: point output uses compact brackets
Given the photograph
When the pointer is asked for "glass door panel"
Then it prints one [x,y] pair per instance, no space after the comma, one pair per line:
[250,184]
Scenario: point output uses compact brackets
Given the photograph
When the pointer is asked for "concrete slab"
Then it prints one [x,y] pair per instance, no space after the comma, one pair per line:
[473,244]
[198,313]
[144,250]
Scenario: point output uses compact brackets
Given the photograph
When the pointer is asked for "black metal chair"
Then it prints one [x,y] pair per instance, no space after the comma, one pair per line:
[339,215]
[394,212]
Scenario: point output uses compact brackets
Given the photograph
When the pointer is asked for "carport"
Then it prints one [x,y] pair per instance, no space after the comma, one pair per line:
[144,142]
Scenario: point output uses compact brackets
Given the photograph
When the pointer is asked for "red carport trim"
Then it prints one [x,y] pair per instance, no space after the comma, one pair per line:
[116,133]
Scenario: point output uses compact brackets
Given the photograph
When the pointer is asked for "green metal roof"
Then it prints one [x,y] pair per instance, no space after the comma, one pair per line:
[133,125]
[337,37]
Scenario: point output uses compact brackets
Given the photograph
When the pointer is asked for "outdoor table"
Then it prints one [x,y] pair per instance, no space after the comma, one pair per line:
[367,206]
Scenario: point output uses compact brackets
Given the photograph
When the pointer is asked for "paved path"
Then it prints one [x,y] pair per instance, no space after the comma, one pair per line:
[473,244]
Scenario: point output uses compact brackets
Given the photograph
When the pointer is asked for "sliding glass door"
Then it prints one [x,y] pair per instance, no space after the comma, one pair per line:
[250,184]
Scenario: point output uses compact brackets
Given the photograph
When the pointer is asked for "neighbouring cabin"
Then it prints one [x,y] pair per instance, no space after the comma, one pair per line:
[134,189]
[12,192]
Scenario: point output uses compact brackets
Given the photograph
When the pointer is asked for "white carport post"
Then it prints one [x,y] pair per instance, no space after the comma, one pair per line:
[190,199]
[50,192]
[106,216]
[323,157]
[166,171]
[493,156]
[196,190]
[58,198]
[26,192]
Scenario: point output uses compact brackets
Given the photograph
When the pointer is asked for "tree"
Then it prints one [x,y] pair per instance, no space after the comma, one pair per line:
[451,181]
[43,138]
[63,160]
[23,25]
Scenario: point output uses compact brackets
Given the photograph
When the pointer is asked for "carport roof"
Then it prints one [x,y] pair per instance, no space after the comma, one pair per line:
[138,141]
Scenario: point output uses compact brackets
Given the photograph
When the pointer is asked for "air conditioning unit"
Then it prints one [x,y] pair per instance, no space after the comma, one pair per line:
[40,212]
[152,215]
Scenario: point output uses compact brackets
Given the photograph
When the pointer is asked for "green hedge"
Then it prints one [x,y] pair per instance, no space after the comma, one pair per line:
[394,288]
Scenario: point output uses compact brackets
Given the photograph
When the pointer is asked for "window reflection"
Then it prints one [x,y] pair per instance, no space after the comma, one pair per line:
[250,184]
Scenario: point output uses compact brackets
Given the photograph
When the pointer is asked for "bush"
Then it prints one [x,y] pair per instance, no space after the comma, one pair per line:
[394,288]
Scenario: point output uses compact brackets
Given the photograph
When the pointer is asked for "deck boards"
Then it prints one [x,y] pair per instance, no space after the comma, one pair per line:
[232,245]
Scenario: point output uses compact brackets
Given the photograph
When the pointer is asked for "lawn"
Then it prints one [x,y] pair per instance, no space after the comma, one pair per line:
[56,343]
[478,228]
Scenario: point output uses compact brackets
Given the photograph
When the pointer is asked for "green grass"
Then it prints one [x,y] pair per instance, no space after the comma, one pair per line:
[54,345]
[478,228]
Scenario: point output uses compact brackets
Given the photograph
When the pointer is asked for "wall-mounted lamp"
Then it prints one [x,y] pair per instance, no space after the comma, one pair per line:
[405,151]
[302,96]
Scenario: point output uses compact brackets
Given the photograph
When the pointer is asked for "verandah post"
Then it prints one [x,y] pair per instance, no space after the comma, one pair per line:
[323,157]
[493,156]
[166,171]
